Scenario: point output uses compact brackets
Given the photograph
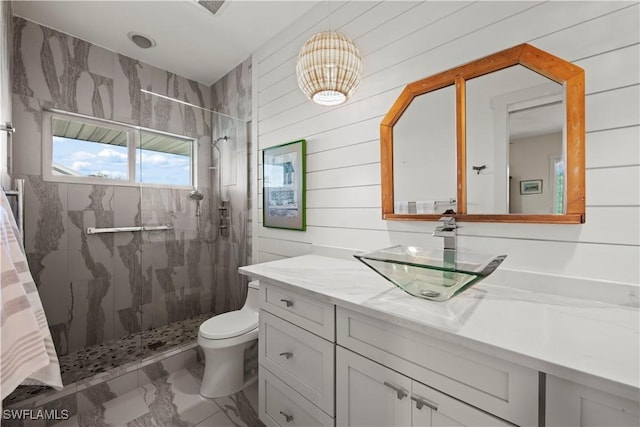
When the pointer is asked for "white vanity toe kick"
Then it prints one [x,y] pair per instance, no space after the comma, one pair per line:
[593,343]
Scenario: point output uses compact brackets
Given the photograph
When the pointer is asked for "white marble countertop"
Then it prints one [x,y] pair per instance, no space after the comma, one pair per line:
[590,342]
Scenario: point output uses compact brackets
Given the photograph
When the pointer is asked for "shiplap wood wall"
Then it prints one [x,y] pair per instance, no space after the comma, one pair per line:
[404,41]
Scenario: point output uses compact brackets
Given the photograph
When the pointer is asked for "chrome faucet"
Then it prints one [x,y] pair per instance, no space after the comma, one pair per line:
[448,230]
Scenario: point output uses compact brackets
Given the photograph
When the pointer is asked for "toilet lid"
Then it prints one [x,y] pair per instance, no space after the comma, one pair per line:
[231,324]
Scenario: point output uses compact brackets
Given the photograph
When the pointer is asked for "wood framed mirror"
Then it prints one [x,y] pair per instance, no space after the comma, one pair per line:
[500,139]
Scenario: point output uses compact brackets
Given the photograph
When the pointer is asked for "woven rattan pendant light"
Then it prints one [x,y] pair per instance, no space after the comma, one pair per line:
[329,68]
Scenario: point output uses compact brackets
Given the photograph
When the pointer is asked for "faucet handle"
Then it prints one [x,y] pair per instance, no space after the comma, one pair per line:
[448,223]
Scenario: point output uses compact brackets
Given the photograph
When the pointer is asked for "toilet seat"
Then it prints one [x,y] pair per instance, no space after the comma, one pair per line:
[229,325]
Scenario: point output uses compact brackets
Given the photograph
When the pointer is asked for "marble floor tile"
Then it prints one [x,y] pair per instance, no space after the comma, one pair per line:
[128,409]
[241,408]
[176,400]
[71,422]
[218,420]
[146,420]
[119,411]
[196,370]
[172,401]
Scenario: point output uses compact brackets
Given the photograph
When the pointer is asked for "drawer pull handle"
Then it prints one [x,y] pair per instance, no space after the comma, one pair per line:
[288,302]
[401,393]
[286,416]
[287,354]
[420,402]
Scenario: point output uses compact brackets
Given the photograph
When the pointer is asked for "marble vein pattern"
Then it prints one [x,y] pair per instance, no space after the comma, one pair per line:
[50,223]
[130,68]
[59,70]
[20,81]
[240,408]
[172,401]
[231,95]
[99,284]
[138,280]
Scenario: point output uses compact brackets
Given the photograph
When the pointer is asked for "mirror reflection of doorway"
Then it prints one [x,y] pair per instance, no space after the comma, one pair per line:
[536,153]
[515,121]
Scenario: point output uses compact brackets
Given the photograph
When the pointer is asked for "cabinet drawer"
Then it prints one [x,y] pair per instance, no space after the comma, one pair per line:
[301,359]
[279,405]
[502,388]
[308,313]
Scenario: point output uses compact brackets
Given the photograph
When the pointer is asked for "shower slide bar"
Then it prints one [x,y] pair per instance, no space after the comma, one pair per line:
[93,230]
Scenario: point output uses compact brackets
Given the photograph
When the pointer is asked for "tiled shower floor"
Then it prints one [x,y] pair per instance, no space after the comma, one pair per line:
[92,361]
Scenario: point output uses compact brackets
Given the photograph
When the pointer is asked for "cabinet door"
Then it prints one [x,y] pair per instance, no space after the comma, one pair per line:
[434,409]
[368,394]
[279,405]
[571,404]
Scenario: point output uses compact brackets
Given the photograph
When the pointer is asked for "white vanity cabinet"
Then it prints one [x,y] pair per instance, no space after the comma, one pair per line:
[466,385]
[340,346]
[572,404]
[297,359]
[369,394]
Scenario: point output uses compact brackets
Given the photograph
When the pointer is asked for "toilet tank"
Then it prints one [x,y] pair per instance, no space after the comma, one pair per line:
[253,297]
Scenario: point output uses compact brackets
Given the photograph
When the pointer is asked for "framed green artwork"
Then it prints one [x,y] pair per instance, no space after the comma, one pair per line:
[283,186]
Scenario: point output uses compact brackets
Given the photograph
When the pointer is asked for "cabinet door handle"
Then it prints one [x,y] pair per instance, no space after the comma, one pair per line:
[288,302]
[401,393]
[420,402]
[286,416]
[287,354]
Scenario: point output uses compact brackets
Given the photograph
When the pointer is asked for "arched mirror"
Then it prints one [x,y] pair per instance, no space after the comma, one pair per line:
[500,139]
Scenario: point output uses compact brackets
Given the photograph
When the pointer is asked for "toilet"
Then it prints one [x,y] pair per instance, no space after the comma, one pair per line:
[223,339]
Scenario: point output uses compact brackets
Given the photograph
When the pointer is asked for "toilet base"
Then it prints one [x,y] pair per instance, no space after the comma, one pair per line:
[224,372]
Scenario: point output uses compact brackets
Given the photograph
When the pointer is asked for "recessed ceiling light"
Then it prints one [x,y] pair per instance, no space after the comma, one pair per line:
[141,40]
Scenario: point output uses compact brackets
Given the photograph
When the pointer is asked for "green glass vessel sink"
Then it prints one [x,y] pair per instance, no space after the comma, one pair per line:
[434,274]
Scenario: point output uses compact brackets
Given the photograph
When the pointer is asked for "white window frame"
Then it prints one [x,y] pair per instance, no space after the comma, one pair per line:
[133,138]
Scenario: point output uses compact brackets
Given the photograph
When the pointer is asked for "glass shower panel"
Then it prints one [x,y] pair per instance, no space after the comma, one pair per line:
[172,159]
[230,181]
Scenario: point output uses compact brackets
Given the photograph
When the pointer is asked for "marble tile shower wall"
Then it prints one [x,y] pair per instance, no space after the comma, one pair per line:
[98,287]
[231,96]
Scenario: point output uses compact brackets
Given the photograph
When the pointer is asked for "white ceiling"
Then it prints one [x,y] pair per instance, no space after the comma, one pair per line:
[191,42]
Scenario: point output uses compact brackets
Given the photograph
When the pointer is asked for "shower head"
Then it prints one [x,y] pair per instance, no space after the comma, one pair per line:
[196,195]
[222,138]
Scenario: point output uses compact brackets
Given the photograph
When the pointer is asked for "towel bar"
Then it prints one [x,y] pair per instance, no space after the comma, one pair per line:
[8,127]
[93,230]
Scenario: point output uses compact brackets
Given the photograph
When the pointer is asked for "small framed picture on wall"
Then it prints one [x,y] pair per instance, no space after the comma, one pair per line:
[532,186]
[283,186]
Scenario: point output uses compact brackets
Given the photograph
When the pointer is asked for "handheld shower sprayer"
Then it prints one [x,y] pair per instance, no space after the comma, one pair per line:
[197,196]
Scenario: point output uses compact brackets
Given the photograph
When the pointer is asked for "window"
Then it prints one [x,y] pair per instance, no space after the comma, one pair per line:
[88,150]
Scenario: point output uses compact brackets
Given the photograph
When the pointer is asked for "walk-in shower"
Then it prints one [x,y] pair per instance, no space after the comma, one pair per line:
[146,292]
